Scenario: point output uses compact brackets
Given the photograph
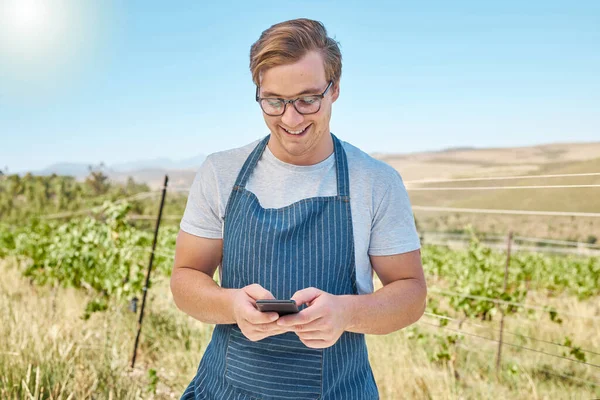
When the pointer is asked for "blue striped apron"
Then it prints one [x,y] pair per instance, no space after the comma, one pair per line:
[308,243]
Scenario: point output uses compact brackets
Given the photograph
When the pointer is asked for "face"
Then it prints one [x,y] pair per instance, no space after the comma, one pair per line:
[305,77]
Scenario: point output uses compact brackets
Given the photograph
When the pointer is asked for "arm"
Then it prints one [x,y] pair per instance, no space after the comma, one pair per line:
[194,290]
[398,304]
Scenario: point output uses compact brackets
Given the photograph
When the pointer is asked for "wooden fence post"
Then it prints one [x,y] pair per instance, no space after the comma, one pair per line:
[145,289]
[509,242]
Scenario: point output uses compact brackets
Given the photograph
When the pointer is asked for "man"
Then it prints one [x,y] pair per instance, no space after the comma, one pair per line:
[298,214]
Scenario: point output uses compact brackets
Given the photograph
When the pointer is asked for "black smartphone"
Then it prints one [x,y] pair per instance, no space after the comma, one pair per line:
[282,307]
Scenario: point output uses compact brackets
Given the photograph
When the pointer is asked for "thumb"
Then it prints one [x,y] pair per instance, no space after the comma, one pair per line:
[258,292]
[306,295]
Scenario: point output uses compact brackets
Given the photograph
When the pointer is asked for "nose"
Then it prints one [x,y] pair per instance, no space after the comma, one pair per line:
[291,117]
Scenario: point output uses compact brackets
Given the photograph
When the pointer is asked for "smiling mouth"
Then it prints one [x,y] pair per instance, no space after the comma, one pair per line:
[296,132]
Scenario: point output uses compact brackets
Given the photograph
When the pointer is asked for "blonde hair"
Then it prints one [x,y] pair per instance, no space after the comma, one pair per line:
[289,41]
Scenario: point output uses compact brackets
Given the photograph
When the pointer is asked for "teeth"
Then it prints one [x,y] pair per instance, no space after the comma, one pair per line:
[295,132]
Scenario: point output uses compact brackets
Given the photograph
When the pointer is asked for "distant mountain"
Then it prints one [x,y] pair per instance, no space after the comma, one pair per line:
[144,164]
[160,163]
[193,162]
[463,148]
[80,170]
[154,177]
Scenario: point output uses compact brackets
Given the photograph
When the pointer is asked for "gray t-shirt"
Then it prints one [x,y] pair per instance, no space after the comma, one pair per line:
[382,218]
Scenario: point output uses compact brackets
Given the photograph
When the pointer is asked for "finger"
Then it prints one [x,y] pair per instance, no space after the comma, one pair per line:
[315,326]
[264,335]
[305,317]
[261,331]
[256,317]
[258,292]
[253,316]
[312,335]
[271,327]
[306,295]
[266,330]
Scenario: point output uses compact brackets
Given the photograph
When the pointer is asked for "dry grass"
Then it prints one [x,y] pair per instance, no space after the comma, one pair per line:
[47,351]
[471,371]
[563,228]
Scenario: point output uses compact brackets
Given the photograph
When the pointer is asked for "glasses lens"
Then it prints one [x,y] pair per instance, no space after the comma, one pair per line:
[272,106]
[308,104]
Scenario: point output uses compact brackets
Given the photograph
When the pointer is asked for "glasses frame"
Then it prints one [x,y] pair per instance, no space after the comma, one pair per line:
[293,101]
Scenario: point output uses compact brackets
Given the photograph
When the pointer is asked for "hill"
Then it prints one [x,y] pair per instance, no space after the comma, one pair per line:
[553,159]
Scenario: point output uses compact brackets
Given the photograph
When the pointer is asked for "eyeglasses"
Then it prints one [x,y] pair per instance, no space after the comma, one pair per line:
[305,105]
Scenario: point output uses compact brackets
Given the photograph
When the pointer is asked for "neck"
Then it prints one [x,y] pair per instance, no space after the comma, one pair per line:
[313,156]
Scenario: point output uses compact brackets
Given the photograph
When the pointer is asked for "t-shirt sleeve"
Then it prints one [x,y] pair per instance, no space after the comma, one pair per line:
[393,229]
[201,215]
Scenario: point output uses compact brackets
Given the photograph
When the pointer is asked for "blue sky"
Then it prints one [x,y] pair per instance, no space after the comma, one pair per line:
[141,79]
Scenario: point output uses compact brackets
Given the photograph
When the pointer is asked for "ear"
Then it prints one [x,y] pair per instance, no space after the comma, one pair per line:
[335,93]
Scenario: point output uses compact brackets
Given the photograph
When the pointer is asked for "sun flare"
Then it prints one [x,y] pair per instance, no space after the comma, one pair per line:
[32,29]
[41,40]
[28,16]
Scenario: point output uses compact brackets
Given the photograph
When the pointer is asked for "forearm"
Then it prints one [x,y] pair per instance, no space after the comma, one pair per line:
[199,296]
[393,307]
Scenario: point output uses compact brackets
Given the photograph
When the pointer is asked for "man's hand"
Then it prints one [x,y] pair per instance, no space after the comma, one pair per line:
[320,324]
[254,324]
